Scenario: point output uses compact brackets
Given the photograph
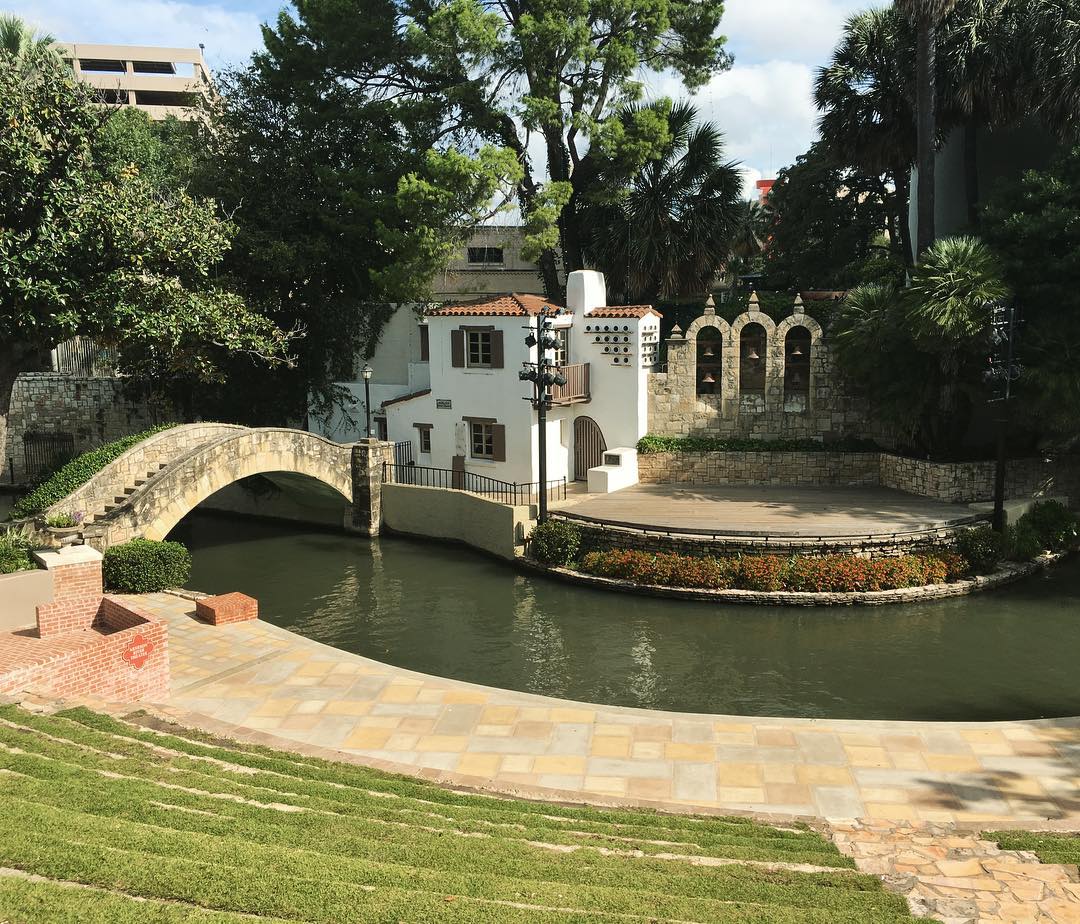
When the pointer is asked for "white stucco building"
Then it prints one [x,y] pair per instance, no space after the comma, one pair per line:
[448,383]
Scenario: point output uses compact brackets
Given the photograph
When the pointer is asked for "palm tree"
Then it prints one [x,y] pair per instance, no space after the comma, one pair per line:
[668,234]
[926,15]
[748,237]
[867,110]
[21,42]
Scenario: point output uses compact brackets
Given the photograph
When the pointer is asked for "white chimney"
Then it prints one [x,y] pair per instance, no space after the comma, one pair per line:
[585,290]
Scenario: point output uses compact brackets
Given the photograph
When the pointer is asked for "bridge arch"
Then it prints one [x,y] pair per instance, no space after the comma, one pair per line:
[155,507]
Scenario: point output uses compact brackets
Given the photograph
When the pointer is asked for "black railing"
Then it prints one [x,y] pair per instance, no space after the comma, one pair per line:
[505,492]
[403,453]
[44,453]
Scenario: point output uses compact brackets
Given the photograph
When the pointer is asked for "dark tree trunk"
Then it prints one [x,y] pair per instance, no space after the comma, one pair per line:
[971,171]
[927,128]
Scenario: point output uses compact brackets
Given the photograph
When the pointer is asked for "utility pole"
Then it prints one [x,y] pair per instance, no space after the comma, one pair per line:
[1004,369]
[543,374]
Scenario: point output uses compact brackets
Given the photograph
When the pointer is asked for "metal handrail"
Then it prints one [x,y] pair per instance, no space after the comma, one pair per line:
[505,492]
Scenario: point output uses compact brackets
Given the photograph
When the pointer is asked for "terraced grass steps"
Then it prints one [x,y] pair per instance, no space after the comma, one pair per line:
[167,824]
[1048,846]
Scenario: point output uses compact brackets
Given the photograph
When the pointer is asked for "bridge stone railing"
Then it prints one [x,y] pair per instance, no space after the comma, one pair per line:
[192,476]
[145,456]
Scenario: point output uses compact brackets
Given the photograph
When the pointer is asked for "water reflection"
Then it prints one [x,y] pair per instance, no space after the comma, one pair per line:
[448,611]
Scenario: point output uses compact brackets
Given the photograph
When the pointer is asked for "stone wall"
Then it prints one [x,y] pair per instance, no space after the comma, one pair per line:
[92,410]
[596,537]
[799,469]
[952,482]
[459,516]
[967,482]
[825,411]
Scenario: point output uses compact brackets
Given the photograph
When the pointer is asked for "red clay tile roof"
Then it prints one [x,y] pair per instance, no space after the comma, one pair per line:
[624,311]
[400,398]
[504,305]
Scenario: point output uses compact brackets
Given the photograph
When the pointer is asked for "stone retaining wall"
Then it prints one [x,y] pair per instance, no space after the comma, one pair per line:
[93,410]
[797,469]
[952,482]
[596,537]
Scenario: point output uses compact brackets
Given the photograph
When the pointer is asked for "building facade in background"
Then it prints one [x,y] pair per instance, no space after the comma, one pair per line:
[161,82]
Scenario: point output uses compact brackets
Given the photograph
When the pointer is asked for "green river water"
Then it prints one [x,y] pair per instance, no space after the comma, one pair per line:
[446,610]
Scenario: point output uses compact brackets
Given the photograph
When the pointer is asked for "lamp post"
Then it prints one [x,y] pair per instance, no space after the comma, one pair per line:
[543,374]
[367,372]
[1004,369]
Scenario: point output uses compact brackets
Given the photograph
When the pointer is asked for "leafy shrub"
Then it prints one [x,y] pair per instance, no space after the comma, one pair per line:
[1052,523]
[651,444]
[76,473]
[982,547]
[956,566]
[827,574]
[15,553]
[144,565]
[555,542]
[1022,543]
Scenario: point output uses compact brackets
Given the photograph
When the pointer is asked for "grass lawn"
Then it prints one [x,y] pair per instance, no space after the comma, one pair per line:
[116,822]
[1049,848]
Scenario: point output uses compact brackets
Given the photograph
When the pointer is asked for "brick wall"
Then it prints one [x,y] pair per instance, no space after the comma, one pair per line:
[88,643]
[77,590]
[124,658]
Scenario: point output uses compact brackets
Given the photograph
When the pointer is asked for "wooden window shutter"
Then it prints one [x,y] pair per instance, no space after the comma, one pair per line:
[424,347]
[498,439]
[496,349]
[457,349]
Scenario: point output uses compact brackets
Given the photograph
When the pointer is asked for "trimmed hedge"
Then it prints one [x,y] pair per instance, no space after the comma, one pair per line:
[827,574]
[652,444]
[555,542]
[144,565]
[15,553]
[77,472]
[982,547]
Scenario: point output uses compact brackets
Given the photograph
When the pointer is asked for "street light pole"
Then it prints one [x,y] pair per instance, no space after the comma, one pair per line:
[367,373]
[543,375]
[1004,370]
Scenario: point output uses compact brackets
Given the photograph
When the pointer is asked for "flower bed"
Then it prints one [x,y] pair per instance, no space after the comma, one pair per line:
[827,574]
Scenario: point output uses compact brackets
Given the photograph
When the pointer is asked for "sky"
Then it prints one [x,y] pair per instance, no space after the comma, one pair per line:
[763,104]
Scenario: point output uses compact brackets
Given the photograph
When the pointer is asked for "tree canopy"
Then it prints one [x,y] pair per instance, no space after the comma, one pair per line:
[670,230]
[826,224]
[89,248]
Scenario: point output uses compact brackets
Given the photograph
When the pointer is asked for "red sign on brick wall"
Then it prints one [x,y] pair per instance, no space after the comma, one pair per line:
[137,653]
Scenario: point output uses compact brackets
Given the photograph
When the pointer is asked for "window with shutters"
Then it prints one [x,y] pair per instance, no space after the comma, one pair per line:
[479,348]
[483,440]
[425,439]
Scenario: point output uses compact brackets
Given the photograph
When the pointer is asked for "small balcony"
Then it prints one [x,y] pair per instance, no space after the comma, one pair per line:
[576,389]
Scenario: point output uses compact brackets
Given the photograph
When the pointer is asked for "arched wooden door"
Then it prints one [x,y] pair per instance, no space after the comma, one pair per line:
[589,447]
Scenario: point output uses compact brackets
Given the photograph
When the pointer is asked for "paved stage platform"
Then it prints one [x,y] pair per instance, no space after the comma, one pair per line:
[767,510]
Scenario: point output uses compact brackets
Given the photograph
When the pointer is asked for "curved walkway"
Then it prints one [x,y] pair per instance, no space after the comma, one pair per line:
[258,678]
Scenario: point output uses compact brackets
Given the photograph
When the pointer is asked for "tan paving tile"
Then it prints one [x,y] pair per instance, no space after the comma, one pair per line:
[609,746]
[367,738]
[486,765]
[558,763]
[677,750]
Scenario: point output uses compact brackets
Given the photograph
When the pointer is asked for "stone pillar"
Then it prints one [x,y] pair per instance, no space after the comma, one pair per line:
[77,590]
[365,514]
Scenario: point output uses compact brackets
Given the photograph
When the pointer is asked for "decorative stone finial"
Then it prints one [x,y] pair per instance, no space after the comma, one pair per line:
[754,305]
[798,307]
[676,333]
[710,305]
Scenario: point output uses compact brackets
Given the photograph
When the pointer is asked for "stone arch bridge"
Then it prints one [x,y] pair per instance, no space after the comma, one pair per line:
[147,490]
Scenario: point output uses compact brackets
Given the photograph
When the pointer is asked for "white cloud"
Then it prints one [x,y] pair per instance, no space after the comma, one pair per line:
[766,112]
[793,30]
[230,35]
